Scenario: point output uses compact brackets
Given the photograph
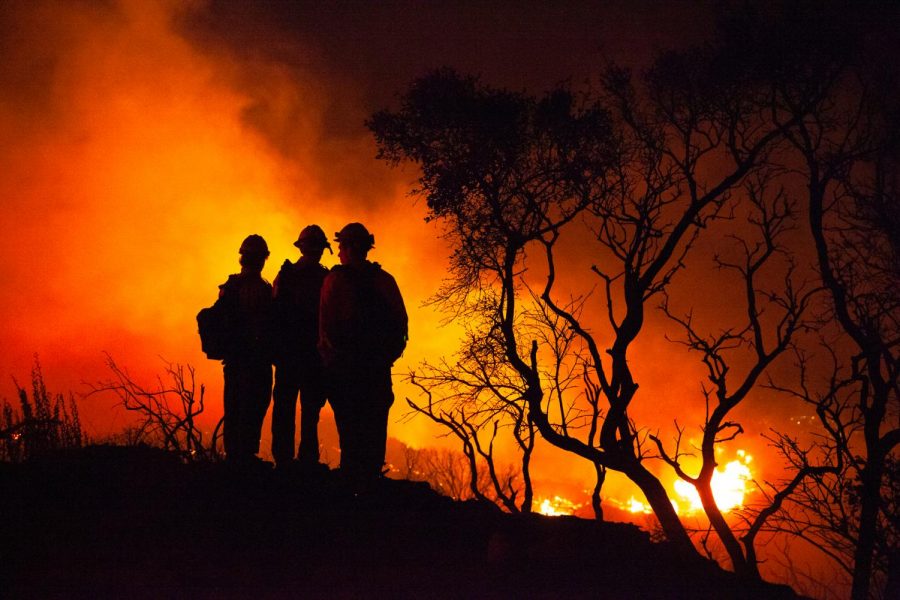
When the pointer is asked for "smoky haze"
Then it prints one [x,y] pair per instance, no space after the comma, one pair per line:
[143,141]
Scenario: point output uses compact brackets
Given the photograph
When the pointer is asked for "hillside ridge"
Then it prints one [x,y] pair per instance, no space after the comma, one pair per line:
[113,521]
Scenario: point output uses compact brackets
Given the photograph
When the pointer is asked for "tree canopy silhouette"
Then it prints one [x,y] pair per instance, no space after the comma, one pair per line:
[711,141]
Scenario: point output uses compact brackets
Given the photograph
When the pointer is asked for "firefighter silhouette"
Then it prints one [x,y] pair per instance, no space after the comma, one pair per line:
[298,367]
[247,363]
[362,331]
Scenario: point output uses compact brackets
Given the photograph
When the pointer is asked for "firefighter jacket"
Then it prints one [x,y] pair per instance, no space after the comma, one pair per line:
[296,310]
[362,318]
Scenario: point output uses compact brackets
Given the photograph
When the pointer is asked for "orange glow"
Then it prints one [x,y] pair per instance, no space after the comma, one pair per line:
[729,486]
[636,506]
[135,161]
[632,505]
[129,185]
[139,149]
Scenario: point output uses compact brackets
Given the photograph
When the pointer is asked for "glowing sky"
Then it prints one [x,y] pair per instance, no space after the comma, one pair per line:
[141,141]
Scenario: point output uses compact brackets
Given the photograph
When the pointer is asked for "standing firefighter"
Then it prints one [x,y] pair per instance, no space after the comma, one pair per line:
[298,367]
[247,298]
[362,331]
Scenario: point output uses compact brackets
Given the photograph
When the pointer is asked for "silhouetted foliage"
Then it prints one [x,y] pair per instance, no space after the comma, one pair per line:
[42,424]
[631,165]
[720,134]
[502,169]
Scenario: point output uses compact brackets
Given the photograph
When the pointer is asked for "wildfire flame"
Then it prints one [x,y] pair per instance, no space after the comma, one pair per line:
[729,486]
[557,506]
[636,506]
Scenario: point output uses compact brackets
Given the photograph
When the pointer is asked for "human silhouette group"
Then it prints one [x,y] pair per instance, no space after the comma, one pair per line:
[331,335]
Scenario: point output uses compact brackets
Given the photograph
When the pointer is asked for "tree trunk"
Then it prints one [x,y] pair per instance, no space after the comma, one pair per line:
[596,500]
[742,567]
[528,493]
[870,500]
[662,507]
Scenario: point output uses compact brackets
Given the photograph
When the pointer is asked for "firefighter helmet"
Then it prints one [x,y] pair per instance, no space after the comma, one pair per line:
[254,245]
[313,236]
[355,234]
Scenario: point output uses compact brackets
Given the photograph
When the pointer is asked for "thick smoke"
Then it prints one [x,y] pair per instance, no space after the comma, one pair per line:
[142,141]
[135,161]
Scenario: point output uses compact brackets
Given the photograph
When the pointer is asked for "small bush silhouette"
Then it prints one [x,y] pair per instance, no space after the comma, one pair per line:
[42,423]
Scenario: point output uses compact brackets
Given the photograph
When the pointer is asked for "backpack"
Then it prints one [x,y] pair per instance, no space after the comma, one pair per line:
[214,325]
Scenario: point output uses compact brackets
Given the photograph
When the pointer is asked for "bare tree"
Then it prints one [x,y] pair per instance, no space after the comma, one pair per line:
[835,99]
[847,146]
[810,503]
[865,303]
[167,410]
[649,166]
[479,455]
[772,318]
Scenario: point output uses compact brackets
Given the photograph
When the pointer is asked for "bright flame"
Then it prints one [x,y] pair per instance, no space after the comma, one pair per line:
[557,506]
[636,506]
[729,486]
[632,505]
